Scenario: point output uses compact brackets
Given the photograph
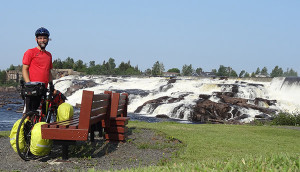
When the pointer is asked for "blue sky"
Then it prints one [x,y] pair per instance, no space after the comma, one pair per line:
[207,34]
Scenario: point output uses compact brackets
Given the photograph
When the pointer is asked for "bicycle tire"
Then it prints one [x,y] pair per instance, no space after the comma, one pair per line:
[51,116]
[25,153]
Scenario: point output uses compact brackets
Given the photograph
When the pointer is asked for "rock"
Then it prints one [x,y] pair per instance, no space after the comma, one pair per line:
[171,81]
[229,94]
[139,92]
[79,85]
[242,117]
[8,89]
[235,88]
[165,88]
[204,96]
[156,102]
[162,116]
[206,110]
[255,85]
[262,116]
[232,100]
[78,105]
[268,102]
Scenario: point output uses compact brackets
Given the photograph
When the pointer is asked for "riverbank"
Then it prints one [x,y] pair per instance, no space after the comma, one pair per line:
[8,89]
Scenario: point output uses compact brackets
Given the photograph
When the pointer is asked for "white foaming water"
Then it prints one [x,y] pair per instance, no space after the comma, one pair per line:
[157,87]
[287,94]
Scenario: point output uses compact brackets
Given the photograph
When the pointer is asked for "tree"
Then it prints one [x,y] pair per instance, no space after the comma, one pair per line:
[112,64]
[187,70]
[214,71]
[126,69]
[257,71]
[148,72]
[68,63]
[123,68]
[247,75]
[92,64]
[175,70]
[79,66]
[264,71]
[290,72]
[252,75]
[232,73]
[158,68]
[199,70]
[12,67]
[2,77]
[57,64]
[226,71]
[222,71]
[276,72]
[242,73]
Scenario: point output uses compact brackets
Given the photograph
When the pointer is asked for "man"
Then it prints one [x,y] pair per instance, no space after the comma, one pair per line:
[37,65]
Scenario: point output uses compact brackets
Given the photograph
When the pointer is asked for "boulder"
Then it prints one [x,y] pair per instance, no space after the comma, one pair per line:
[162,116]
[204,96]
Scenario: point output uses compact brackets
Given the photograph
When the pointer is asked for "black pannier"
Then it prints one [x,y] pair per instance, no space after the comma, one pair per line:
[34,89]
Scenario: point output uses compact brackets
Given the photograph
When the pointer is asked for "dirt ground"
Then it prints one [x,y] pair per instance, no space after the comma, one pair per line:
[143,148]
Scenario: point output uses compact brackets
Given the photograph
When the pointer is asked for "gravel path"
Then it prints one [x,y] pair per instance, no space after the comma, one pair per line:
[143,148]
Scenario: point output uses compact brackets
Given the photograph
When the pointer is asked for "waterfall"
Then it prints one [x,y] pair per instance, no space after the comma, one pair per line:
[177,98]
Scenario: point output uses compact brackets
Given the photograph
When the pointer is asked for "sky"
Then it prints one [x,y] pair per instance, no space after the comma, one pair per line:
[244,35]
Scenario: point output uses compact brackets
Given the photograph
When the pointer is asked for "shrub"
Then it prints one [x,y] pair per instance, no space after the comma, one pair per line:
[286,119]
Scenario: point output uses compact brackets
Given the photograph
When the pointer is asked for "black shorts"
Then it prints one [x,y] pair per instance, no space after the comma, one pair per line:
[31,103]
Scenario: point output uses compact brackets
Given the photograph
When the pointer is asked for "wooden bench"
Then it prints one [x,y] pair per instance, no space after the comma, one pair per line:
[94,109]
[116,129]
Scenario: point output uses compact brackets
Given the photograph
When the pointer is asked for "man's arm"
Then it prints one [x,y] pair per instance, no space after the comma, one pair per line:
[50,76]
[25,72]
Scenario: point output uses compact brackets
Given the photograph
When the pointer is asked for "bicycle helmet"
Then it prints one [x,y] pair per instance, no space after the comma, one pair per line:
[42,32]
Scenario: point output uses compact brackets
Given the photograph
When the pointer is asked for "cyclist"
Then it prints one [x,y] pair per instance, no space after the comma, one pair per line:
[37,65]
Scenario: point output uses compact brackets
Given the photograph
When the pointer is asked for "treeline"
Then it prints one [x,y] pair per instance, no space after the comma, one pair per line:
[276,72]
[188,70]
[106,68]
[125,68]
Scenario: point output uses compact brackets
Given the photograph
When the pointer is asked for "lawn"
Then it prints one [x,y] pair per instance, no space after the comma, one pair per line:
[211,147]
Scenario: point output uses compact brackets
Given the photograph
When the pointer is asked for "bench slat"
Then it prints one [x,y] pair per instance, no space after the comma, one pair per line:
[98,97]
[99,111]
[65,134]
[98,104]
[122,102]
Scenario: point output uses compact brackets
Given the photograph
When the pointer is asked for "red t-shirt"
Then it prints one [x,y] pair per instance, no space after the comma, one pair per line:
[40,63]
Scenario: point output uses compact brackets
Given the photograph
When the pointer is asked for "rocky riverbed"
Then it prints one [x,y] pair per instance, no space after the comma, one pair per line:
[10,97]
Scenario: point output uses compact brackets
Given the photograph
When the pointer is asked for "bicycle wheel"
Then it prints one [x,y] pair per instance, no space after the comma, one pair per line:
[51,115]
[25,126]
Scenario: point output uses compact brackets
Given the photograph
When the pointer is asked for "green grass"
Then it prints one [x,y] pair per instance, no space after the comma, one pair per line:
[4,133]
[223,147]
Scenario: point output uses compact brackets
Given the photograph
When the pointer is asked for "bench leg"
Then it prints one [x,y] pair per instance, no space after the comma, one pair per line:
[100,129]
[92,133]
[96,127]
[65,150]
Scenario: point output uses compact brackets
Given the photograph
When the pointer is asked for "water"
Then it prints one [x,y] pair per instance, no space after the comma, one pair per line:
[9,117]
